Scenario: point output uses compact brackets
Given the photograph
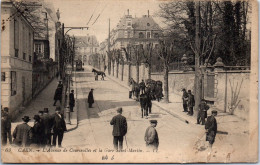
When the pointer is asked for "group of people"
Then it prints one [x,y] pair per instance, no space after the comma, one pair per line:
[44,132]
[210,123]
[120,129]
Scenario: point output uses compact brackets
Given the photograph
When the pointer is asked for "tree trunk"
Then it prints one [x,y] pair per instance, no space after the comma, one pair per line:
[129,74]
[113,68]
[122,74]
[149,71]
[166,86]
[137,72]
[117,69]
[109,66]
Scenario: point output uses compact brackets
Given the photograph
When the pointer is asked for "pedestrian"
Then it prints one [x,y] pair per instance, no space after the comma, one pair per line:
[60,85]
[149,102]
[71,100]
[211,128]
[191,103]
[119,129]
[57,95]
[184,100]
[47,121]
[6,127]
[151,136]
[90,98]
[202,114]
[37,131]
[59,127]
[40,113]
[142,86]
[23,133]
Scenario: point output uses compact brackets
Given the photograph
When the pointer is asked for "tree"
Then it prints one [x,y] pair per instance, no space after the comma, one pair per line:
[128,56]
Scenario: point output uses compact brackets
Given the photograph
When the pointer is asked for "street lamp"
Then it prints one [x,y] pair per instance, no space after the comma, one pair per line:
[68,74]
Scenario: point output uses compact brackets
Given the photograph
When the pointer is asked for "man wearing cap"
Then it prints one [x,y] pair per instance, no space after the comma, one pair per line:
[90,98]
[191,102]
[71,100]
[37,130]
[151,136]
[22,133]
[202,114]
[5,127]
[211,127]
[47,122]
[59,126]
[119,129]
[184,100]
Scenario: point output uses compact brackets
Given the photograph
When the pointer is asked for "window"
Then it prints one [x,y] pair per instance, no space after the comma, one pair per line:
[2,76]
[156,35]
[30,58]
[24,56]
[128,23]
[16,52]
[141,35]
[13,83]
[38,48]
[128,34]
[16,37]
[148,35]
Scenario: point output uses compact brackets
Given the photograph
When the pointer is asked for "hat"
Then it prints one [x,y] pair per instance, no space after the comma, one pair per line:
[36,117]
[92,89]
[40,111]
[214,112]
[6,109]
[26,118]
[58,108]
[119,110]
[183,89]
[153,121]
[189,91]
[45,110]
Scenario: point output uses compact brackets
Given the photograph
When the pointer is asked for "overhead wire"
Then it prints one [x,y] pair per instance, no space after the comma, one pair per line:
[99,14]
[93,13]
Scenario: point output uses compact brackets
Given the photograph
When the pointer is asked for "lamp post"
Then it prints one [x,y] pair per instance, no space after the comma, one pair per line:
[68,73]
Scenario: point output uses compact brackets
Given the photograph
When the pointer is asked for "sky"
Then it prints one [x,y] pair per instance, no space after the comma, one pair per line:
[78,12]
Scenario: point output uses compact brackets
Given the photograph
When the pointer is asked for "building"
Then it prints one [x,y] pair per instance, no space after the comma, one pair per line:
[16,58]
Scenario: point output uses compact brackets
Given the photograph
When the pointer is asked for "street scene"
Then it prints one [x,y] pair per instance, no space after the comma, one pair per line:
[121,82]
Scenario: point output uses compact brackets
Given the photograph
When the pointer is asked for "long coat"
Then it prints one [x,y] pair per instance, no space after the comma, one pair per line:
[191,100]
[185,97]
[203,108]
[119,125]
[59,124]
[212,127]
[5,123]
[22,135]
[151,137]
[47,121]
[90,97]
[38,132]
[71,100]
[58,94]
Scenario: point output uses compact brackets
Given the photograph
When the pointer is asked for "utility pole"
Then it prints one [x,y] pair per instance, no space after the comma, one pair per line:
[108,45]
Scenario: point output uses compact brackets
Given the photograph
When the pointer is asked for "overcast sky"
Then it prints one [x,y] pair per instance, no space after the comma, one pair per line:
[78,12]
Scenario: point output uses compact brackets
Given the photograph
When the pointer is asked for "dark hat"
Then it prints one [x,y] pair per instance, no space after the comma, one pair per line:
[26,118]
[40,112]
[189,91]
[36,117]
[6,109]
[92,89]
[183,89]
[214,112]
[153,121]
[203,100]
[119,110]
[45,110]
[58,108]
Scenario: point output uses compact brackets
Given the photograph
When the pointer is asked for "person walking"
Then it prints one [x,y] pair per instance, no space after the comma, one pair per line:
[6,127]
[90,98]
[149,102]
[211,128]
[119,129]
[184,100]
[202,114]
[23,133]
[151,136]
[191,102]
[57,95]
[48,123]
[37,131]
[71,100]
[60,85]
[59,127]
[142,86]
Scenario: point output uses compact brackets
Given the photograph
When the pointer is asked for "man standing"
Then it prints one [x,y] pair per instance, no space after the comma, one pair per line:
[211,127]
[151,136]
[142,86]
[6,127]
[22,133]
[202,114]
[191,102]
[57,95]
[60,85]
[90,98]
[71,100]
[37,131]
[59,126]
[47,122]
[184,100]
[119,129]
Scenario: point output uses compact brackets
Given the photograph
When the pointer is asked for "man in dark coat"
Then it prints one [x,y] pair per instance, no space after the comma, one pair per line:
[23,133]
[142,86]
[59,126]
[191,102]
[119,129]
[47,121]
[211,128]
[71,100]
[90,98]
[57,95]
[5,127]
[149,102]
[151,136]
[184,100]
[202,114]
[60,85]
[37,131]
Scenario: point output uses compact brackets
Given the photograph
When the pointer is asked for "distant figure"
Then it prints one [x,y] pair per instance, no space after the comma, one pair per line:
[22,133]
[151,136]
[184,100]
[60,85]
[5,127]
[48,123]
[202,114]
[59,127]
[57,95]
[90,98]
[37,131]
[211,127]
[119,129]
[191,102]
[142,86]
[71,100]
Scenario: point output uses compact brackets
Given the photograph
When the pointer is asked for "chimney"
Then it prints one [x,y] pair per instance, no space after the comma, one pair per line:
[128,11]
[148,13]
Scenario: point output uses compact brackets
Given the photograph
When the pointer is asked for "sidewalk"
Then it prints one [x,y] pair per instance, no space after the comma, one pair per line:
[45,100]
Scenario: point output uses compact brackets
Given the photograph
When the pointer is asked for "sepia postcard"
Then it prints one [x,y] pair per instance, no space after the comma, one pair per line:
[129,81]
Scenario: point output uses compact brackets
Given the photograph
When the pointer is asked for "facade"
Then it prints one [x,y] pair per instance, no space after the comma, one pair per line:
[16,59]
